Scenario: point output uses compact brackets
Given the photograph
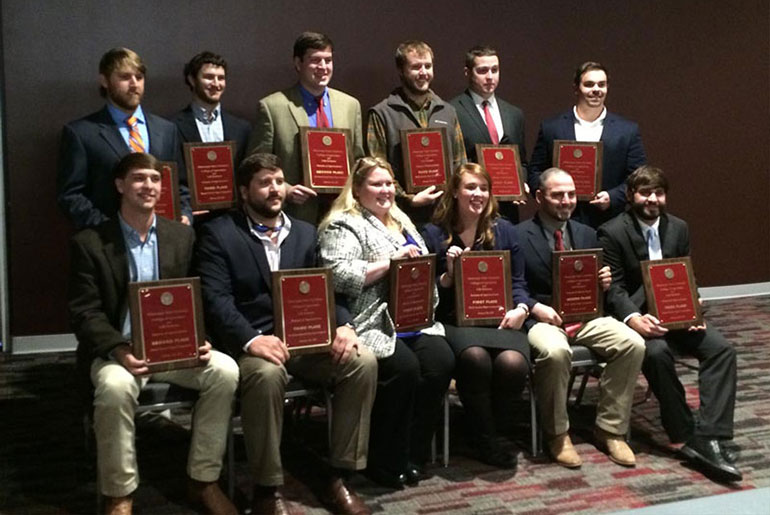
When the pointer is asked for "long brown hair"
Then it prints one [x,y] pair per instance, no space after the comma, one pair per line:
[447,217]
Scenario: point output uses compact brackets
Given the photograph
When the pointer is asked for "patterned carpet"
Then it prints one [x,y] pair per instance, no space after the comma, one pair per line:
[45,468]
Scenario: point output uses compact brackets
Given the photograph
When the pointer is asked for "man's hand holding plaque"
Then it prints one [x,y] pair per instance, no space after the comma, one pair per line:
[166,325]
[303,308]
[326,157]
[412,284]
[578,285]
[669,286]
[482,282]
[503,164]
[583,161]
[210,174]
[426,158]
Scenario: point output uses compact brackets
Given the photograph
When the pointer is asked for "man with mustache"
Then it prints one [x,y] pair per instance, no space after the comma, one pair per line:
[589,120]
[413,105]
[204,120]
[309,103]
[235,256]
[647,231]
[487,119]
[92,146]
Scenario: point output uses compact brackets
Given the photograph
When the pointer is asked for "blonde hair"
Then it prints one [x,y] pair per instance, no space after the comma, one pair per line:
[447,217]
[347,202]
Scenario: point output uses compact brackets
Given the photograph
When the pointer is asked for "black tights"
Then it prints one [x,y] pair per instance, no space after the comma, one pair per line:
[488,381]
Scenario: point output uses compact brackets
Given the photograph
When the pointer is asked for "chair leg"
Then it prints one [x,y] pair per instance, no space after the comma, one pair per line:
[533,418]
[446,429]
[231,461]
[329,416]
[582,389]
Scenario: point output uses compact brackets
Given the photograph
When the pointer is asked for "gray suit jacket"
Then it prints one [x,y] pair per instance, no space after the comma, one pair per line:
[279,118]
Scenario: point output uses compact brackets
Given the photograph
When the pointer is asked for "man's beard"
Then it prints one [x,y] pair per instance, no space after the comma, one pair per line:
[263,209]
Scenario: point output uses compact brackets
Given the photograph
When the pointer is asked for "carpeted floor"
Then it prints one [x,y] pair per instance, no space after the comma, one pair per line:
[45,469]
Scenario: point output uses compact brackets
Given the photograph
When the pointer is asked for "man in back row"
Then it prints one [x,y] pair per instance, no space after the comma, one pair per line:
[309,103]
[413,105]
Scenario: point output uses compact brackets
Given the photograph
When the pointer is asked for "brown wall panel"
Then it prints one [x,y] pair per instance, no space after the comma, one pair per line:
[694,75]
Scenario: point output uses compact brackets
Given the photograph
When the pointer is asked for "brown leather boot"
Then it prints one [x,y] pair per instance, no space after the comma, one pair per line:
[615,446]
[118,505]
[563,452]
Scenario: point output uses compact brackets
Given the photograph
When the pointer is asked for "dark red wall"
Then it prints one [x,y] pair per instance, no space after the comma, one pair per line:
[694,74]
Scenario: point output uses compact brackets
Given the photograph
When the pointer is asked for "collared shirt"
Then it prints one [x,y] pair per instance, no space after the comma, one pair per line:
[646,228]
[142,259]
[589,131]
[209,123]
[273,248]
[121,120]
[310,103]
[494,110]
[550,226]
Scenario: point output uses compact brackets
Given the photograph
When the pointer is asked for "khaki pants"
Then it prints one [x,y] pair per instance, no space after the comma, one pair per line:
[613,341]
[262,393]
[115,401]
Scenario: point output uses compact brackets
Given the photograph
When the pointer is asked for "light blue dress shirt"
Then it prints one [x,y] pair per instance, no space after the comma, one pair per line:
[121,120]
[142,260]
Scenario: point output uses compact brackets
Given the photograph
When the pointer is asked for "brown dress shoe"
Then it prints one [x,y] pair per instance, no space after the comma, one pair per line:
[340,499]
[269,505]
[118,505]
[615,446]
[211,497]
[563,452]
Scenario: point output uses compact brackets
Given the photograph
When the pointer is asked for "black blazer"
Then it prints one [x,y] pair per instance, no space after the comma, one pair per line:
[625,247]
[623,153]
[233,128]
[236,279]
[90,149]
[99,276]
[475,128]
[538,254]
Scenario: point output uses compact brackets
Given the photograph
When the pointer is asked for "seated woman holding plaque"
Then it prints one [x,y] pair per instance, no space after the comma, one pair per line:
[492,362]
[363,231]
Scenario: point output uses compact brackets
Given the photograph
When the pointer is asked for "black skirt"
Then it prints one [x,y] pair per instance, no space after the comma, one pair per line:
[460,338]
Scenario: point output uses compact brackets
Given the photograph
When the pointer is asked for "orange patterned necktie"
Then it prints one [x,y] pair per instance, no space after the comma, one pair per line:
[134,138]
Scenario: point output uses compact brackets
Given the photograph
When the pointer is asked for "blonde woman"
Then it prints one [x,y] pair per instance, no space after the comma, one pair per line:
[363,231]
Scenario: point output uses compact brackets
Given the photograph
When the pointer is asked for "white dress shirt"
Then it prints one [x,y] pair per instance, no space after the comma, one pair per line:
[589,131]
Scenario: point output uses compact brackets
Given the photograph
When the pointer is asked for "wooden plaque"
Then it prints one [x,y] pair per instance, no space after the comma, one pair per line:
[210,174]
[672,297]
[503,164]
[577,295]
[326,158]
[427,161]
[483,292]
[583,161]
[412,286]
[169,206]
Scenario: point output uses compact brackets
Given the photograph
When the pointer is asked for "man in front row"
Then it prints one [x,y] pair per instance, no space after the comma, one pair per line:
[137,245]
[551,229]
[645,232]
[235,256]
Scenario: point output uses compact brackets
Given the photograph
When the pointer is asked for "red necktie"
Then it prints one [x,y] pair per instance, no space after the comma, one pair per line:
[320,115]
[572,328]
[490,123]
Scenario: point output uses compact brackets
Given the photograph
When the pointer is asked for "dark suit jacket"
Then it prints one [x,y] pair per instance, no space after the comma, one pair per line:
[624,247]
[505,239]
[475,128]
[623,153]
[236,279]
[90,149]
[99,281]
[234,128]
[538,255]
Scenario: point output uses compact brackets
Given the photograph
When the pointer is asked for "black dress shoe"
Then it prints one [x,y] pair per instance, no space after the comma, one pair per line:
[489,451]
[706,455]
[414,474]
[386,478]
[729,453]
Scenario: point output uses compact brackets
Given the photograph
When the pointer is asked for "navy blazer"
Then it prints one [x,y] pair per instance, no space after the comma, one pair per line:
[233,128]
[625,247]
[505,239]
[475,128]
[623,153]
[90,149]
[236,279]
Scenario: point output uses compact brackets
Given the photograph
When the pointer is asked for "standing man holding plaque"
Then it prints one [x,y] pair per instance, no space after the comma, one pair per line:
[92,146]
[645,232]
[413,105]
[309,103]
[235,256]
[590,121]
[486,119]
[552,230]
[204,120]
[137,245]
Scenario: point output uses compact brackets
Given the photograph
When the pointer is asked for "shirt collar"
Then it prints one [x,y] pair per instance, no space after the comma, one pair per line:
[478,99]
[550,224]
[311,100]
[132,235]
[414,106]
[587,124]
[647,226]
[120,117]
[285,223]
[202,114]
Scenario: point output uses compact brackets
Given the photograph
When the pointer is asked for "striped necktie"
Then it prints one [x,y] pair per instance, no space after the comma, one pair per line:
[134,138]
